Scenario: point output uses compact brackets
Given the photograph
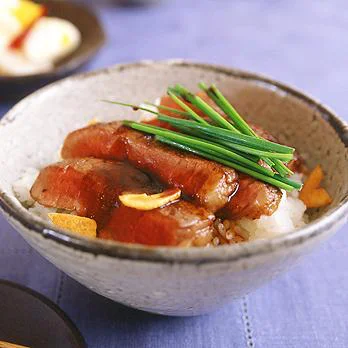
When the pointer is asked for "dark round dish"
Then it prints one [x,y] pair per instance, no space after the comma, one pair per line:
[29,319]
[92,39]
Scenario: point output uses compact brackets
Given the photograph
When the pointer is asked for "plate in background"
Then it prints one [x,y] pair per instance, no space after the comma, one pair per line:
[29,319]
[92,39]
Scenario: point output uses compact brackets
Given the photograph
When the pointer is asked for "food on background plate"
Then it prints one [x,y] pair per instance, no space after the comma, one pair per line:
[4,344]
[196,174]
[30,41]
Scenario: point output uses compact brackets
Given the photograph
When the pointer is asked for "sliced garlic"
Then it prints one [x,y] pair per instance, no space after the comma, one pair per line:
[143,201]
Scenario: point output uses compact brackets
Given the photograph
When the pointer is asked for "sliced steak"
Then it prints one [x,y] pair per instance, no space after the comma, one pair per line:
[208,183]
[178,224]
[253,199]
[90,187]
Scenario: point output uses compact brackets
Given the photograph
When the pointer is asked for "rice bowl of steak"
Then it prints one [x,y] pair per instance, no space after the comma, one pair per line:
[187,233]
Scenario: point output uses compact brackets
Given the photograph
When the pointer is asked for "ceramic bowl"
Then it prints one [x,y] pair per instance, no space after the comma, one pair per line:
[171,281]
[92,39]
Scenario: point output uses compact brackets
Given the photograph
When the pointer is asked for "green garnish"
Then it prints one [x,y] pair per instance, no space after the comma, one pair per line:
[202,105]
[203,144]
[276,180]
[227,108]
[231,141]
[133,106]
[191,113]
[167,108]
[224,134]
[198,134]
[240,123]
[236,144]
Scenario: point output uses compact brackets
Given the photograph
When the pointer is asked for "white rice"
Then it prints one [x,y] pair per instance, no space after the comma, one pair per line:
[21,189]
[289,216]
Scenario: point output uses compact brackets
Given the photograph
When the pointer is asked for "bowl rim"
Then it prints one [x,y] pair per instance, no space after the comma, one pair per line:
[70,63]
[98,247]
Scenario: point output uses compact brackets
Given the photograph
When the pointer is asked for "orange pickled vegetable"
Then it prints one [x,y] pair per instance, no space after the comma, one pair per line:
[76,224]
[312,195]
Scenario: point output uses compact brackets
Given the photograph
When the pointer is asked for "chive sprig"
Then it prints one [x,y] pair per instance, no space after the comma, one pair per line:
[228,140]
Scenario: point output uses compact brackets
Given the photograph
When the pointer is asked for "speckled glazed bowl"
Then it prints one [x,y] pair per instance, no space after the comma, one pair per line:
[168,280]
